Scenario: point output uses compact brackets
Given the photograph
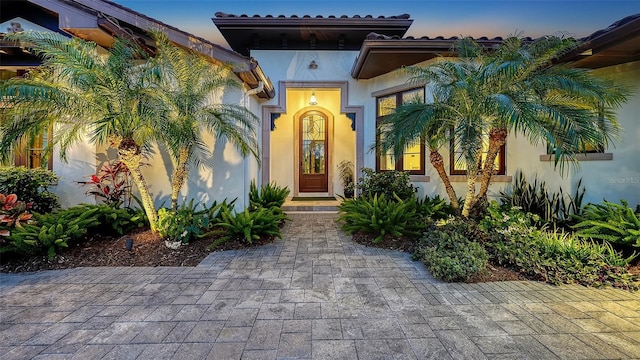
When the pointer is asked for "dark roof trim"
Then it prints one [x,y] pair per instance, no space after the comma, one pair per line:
[381,54]
[220,14]
[618,43]
[245,33]
[246,68]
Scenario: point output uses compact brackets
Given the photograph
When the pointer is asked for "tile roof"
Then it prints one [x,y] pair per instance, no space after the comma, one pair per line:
[220,14]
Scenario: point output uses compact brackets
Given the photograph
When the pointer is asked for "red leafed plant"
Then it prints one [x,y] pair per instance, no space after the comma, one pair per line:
[112,184]
[12,212]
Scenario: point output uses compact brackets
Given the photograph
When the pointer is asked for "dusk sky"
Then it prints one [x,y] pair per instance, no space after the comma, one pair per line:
[431,17]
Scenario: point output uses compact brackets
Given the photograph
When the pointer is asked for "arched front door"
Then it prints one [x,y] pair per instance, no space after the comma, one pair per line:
[314,144]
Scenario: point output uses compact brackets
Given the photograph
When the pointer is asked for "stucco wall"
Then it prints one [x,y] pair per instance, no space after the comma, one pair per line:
[294,66]
[225,174]
[81,162]
[613,180]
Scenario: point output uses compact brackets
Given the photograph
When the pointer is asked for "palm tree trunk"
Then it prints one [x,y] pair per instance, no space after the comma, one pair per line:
[179,176]
[472,177]
[497,138]
[129,154]
[438,164]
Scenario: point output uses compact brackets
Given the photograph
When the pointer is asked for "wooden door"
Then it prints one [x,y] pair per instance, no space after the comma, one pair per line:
[313,153]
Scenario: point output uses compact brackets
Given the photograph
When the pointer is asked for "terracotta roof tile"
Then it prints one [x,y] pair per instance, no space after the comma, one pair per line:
[612,27]
[220,14]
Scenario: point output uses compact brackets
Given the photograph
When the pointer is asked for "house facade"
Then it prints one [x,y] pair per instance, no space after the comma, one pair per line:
[319,86]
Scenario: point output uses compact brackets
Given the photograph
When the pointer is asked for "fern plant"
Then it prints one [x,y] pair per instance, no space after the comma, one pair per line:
[52,231]
[435,208]
[380,216]
[617,223]
[249,225]
[267,196]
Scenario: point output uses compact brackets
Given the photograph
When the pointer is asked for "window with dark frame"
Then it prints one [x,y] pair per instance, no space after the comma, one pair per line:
[30,154]
[413,158]
[588,148]
[458,165]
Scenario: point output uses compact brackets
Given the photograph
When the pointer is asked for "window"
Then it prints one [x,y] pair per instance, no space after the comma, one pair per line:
[31,154]
[458,165]
[412,159]
[588,148]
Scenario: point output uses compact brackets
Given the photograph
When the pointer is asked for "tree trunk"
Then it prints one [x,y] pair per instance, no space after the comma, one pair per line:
[438,164]
[179,176]
[472,175]
[469,200]
[497,138]
[129,154]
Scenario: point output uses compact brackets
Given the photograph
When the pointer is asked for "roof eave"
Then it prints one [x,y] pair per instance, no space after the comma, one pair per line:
[94,13]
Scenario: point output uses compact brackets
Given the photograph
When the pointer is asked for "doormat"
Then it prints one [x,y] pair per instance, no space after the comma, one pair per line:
[316,198]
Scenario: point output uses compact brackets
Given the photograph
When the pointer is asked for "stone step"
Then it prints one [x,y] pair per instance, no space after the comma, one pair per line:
[311,205]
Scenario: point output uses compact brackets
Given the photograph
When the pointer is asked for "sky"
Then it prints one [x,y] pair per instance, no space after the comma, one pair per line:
[432,18]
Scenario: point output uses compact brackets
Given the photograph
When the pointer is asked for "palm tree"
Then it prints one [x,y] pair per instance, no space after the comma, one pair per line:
[519,87]
[77,91]
[187,86]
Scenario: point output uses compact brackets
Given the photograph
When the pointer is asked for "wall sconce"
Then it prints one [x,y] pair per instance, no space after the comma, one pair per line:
[312,99]
[313,65]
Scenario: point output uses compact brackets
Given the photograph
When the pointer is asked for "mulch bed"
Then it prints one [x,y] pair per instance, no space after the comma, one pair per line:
[148,250]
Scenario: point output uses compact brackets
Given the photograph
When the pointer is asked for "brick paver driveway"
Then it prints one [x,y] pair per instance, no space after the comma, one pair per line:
[313,295]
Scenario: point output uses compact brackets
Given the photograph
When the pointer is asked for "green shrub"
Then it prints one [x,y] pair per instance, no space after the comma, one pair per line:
[31,186]
[450,256]
[386,183]
[52,231]
[112,220]
[434,208]
[558,257]
[536,198]
[249,225]
[184,224]
[215,210]
[617,223]
[269,195]
[380,217]
[505,219]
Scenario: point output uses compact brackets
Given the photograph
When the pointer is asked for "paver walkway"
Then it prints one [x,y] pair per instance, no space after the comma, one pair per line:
[313,295]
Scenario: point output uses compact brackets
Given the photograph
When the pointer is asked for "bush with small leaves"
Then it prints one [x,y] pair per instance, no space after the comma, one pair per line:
[450,256]
[184,224]
[558,257]
[31,186]
[386,183]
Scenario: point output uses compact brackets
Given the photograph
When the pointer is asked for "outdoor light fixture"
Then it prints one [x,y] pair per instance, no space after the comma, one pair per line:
[128,244]
[312,100]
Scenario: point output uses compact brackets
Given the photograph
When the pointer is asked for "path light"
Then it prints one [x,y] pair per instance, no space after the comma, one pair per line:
[128,244]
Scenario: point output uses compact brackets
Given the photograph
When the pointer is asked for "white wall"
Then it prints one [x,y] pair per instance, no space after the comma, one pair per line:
[226,174]
[81,162]
[603,179]
[292,65]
